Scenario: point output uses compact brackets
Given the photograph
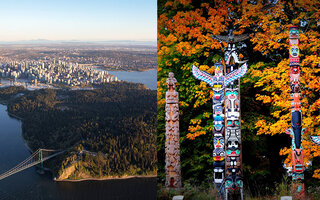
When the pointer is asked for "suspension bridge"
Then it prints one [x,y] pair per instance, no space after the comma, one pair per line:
[37,157]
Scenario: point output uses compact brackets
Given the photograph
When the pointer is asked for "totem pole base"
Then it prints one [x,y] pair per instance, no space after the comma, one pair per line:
[298,190]
[234,195]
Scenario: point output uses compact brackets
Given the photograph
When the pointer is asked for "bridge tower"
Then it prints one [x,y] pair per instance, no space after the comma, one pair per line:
[41,170]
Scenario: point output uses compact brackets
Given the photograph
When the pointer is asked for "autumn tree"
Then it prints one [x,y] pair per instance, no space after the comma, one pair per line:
[271,76]
[184,29]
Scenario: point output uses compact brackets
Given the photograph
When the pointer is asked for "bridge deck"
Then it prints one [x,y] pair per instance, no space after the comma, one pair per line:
[29,162]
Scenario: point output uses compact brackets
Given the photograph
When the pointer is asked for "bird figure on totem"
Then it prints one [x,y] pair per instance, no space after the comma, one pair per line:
[231,38]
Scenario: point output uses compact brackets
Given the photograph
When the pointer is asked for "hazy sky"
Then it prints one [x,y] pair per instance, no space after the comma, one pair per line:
[93,20]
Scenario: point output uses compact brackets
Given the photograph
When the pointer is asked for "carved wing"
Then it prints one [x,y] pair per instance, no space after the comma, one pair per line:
[239,38]
[221,38]
[236,74]
[230,38]
[202,76]
[315,139]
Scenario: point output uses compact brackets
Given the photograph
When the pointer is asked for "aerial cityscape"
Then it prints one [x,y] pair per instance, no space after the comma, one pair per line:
[78,96]
[70,65]
[76,113]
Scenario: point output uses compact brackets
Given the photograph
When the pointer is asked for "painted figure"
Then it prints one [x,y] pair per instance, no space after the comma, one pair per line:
[226,144]
[296,131]
[233,180]
[172,146]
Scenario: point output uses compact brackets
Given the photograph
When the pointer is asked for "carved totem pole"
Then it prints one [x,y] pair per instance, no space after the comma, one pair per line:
[219,82]
[296,131]
[173,169]
[233,180]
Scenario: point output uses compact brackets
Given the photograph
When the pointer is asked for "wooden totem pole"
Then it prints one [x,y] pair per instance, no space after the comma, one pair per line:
[219,82]
[233,180]
[173,169]
[296,131]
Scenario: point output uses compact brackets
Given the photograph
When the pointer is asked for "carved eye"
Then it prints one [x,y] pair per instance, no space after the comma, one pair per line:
[228,183]
[229,122]
[221,141]
[239,182]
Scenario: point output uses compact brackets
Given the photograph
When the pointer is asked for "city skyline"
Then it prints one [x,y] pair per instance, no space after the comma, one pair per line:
[72,20]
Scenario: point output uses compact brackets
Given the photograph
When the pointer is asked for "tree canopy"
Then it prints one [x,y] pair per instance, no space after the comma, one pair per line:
[107,131]
[184,30]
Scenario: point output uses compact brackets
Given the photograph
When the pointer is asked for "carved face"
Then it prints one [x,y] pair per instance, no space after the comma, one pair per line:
[218,175]
[293,32]
[233,143]
[234,152]
[294,51]
[295,70]
[218,142]
[218,125]
[218,110]
[295,87]
[218,96]
[232,94]
[219,133]
[218,154]
[233,182]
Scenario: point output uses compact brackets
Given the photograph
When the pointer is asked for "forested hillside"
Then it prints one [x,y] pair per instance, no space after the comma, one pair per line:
[109,131]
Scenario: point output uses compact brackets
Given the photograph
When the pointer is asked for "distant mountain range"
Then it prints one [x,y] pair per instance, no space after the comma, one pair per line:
[111,42]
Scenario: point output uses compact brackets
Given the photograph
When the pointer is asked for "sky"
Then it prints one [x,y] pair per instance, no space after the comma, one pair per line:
[90,20]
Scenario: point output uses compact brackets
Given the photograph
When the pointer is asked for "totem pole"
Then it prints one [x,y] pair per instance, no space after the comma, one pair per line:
[219,82]
[173,169]
[296,131]
[233,180]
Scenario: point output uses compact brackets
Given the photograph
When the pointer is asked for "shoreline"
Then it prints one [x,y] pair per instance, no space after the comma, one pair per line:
[106,178]
[14,116]
[115,70]
[142,70]
[26,142]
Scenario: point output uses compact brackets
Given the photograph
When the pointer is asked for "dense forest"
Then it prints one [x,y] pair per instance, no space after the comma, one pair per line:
[108,131]
[184,39]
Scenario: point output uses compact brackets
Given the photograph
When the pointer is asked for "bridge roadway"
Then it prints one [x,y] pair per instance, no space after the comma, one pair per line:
[32,160]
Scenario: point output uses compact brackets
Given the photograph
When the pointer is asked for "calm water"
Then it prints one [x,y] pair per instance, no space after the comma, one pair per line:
[30,185]
[149,78]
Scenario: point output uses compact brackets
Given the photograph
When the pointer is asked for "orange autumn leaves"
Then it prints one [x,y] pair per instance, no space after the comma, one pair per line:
[184,38]
[274,79]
